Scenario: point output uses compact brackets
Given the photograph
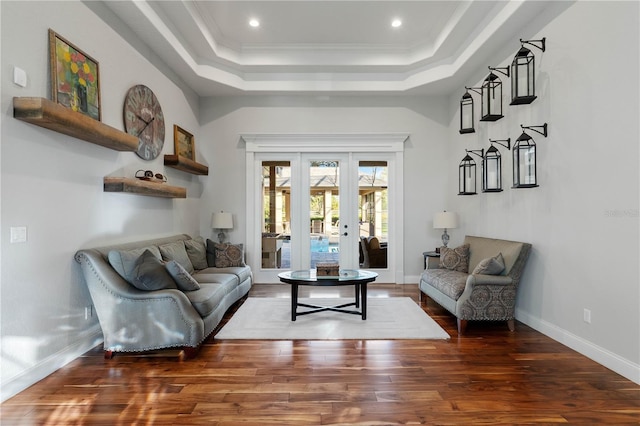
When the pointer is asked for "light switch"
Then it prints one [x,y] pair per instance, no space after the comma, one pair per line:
[19,77]
[18,234]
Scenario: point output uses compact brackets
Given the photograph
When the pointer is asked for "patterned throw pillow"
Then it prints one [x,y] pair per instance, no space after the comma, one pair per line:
[150,274]
[228,255]
[182,278]
[456,259]
[490,266]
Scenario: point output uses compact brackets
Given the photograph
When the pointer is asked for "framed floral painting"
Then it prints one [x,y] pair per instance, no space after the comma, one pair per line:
[75,78]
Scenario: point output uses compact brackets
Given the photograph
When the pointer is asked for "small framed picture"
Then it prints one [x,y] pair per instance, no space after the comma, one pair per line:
[184,143]
[75,77]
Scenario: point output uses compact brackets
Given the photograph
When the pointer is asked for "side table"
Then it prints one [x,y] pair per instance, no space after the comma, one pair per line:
[426,254]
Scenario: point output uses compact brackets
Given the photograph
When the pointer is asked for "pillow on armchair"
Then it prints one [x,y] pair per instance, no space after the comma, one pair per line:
[490,266]
[456,259]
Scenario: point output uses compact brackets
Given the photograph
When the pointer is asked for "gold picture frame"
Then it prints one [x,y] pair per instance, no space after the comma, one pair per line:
[184,143]
[75,77]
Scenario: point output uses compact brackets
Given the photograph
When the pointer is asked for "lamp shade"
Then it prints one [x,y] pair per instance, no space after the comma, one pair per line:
[445,220]
[222,220]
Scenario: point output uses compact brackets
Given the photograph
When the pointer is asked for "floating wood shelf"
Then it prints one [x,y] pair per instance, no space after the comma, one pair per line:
[185,164]
[45,113]
[143,187]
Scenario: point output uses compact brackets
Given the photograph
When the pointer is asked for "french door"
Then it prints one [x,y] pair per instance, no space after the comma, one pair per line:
[312,207]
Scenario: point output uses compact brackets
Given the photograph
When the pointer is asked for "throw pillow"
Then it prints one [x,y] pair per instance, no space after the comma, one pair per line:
[150,274]
[456,259]
[490,266]
[211,253]
[123,261]
[182,278]
[176,251]
[228,255]
[197,252]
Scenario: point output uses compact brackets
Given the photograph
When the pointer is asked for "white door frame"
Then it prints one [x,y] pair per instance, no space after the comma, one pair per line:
[385,146]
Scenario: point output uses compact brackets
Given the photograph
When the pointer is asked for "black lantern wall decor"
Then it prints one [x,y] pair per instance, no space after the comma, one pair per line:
[501,70]
[525,173]
[467,174]
[466,113]
[491,98]
[523,88]
[492,166]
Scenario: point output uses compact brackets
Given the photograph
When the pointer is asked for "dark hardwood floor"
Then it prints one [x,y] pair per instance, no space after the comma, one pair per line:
[487,376]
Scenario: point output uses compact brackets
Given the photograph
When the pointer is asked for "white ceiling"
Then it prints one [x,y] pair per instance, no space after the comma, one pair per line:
[326,47]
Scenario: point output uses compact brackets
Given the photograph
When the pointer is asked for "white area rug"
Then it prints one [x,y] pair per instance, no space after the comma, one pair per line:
[269,318]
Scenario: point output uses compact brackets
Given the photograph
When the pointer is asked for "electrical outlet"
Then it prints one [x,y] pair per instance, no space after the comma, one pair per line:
[587,316]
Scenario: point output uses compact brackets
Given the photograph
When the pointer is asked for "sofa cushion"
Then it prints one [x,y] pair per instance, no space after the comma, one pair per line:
[176,251]
[451,283]
[209,297]
[216,278]
[123,261]
[228,255]
[456,259]
[242,272]
[183,279]
[490,265]
[150,273]
[197,252]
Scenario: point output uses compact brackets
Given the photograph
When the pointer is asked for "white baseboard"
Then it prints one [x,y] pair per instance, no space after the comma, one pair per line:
[602,356]
[39,371]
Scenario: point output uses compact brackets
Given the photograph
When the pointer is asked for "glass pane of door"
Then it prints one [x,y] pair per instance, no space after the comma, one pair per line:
[276,219]
[324,211]
[373,205]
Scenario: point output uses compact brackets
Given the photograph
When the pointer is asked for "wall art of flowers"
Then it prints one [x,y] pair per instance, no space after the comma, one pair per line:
[74,77]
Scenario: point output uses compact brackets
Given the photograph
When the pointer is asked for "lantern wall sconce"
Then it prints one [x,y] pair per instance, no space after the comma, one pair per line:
[466,112]
[524,158]
[491,98]
[467,173]
[492,166]
[523,88]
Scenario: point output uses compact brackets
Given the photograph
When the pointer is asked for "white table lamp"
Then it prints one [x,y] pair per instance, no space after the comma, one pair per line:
[445,220]
[221,221]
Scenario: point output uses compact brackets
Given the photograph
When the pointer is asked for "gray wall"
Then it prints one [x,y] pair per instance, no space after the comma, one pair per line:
[583,219]
[52,184]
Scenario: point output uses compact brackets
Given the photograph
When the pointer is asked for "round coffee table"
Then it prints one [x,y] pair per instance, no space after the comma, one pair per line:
[355,277]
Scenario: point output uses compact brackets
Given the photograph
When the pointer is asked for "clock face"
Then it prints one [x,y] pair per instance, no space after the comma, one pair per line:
[143,118]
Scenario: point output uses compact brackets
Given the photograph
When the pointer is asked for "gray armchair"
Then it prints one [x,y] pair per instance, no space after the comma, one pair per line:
[478,297]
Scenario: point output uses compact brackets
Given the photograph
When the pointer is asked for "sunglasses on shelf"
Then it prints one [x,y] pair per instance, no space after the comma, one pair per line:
[148,175]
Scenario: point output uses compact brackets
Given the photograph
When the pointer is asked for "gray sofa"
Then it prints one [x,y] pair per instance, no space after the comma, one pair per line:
[134,319]
[479,296]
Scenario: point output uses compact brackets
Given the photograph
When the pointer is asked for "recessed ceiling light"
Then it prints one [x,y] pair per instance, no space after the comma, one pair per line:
[396,23]
[254,23]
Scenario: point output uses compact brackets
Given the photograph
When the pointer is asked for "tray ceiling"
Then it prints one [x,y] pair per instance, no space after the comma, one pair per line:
[325,47]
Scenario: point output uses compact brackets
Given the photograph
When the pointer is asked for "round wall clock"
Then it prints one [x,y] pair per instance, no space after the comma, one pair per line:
[143,118]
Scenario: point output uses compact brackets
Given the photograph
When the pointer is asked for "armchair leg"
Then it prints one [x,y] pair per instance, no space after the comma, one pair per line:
[108,354]
[188,352]
[511,324]
[462,326]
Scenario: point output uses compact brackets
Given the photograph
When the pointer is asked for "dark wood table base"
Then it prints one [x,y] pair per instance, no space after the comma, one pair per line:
[357,278]
[360,295]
